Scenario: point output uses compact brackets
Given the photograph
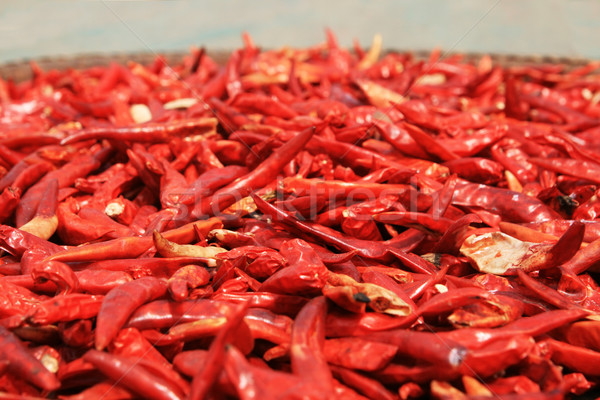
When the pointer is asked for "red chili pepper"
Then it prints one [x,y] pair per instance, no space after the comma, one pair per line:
[260,176]
[65,176]
[501,200]
[574,357]
[107,390]
[365,385]
[131,157]
[65,308]
[150,132]
[306,352]
[205,378]
[131,247]
[368,249]
[306,273]
[133,376]
[23,364]
[121,302]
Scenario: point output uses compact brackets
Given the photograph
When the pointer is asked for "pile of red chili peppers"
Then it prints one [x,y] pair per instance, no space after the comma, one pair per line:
[301,224]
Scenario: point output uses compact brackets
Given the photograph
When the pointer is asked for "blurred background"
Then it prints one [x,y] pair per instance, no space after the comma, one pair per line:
[36,28]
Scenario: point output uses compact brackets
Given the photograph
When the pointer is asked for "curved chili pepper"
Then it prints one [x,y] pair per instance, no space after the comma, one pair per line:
[501,201]
[133,376]
[66,176]
[530,326]
[368,249]
[308,335]
[57,272]
[260,176]
[121,302]
[546,293]
[64,308]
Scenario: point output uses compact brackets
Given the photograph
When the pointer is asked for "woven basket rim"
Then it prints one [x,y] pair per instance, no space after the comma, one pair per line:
[20,70]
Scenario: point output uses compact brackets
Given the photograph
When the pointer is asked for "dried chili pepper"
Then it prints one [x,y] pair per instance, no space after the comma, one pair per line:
[366,208]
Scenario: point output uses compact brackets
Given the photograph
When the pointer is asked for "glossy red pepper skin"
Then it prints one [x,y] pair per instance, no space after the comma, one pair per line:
[259,177]
[121,302]
[65,175]
[151,132]
[205,378]
[501,201]
[65,308]
[306,352]
[324,168]
[306,273]
[133,376]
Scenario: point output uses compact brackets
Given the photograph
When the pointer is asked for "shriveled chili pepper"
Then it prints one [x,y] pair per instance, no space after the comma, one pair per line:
[346,261]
